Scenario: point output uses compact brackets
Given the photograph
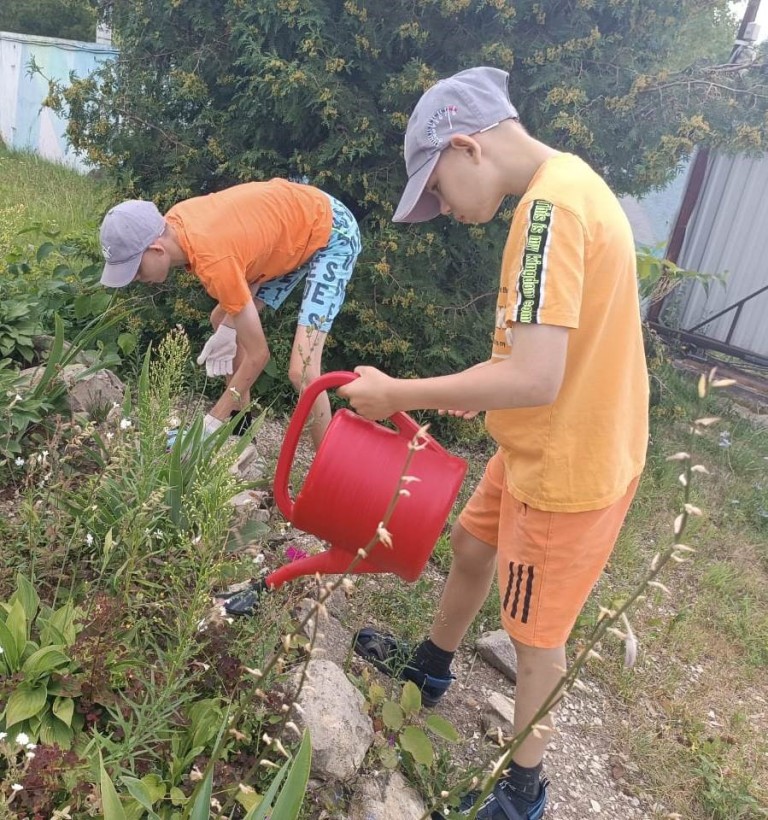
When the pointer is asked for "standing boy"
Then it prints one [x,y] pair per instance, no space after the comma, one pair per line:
[249,246]
[566,392]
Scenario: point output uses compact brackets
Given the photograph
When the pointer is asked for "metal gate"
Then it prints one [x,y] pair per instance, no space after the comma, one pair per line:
[727,233]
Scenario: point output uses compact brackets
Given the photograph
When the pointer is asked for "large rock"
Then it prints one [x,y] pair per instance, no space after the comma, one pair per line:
[248,507]
[334,712]
[250,466]
[496,649]
[85,394]
[94,392]
[386,797]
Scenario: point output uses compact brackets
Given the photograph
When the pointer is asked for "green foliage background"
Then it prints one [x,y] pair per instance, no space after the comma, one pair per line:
[68,19]
[206,95]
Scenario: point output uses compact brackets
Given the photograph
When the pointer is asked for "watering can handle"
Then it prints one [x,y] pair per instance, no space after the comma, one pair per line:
[327,381]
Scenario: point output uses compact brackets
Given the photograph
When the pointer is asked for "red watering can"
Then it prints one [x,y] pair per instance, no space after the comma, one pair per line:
[351,483]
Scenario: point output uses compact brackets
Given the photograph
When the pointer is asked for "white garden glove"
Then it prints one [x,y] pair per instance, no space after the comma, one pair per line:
[211,424]
[219,352]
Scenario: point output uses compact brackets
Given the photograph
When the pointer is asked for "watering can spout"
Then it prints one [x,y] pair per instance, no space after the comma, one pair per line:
[331,561]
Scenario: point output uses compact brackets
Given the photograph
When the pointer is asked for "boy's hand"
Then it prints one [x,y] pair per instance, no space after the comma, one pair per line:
[371,393]
[459,414]
[219,352]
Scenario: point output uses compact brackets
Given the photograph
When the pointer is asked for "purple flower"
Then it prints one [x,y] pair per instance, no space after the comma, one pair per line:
[294,553]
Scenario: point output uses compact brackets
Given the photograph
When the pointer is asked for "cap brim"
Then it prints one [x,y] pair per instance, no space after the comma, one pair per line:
[416,204]
[120,274]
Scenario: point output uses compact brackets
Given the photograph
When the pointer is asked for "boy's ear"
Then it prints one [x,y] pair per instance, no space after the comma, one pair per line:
[462,142]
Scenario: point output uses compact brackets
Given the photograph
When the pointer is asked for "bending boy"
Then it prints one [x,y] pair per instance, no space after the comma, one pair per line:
[566,392]
[249,246]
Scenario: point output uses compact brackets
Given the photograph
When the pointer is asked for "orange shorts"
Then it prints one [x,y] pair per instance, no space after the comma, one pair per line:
[548,562]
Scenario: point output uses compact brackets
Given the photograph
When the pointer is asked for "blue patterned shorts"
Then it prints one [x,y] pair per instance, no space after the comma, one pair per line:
[327,272]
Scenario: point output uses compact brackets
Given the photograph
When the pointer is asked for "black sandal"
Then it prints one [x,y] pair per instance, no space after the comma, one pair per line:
[394,658]
[243,601]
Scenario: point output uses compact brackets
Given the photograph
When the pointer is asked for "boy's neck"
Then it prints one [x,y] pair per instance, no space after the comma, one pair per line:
[519,158]
[176,252]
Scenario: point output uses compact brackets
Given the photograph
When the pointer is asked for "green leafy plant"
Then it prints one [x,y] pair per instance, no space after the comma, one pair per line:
[57,277]
[147,495]
[69,19]
[407,735]
[658,277]
[32,398]
[725,794]
[159,794]
[150,797]
[34,640]
[19,324]
[23,409]
[285,796]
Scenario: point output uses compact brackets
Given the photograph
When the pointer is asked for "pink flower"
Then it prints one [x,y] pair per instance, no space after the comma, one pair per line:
[294,553]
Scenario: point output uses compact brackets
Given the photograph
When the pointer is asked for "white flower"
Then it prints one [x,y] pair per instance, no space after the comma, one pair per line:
[31,745]
[22,739]
[30,755]
[45,454]
[17,787]
[19,461]
[125,424]
[18,398]
[3,735]
[89,539]
[110,436]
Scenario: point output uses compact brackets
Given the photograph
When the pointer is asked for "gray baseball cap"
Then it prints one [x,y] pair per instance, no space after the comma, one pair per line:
[466,103]
[127,231]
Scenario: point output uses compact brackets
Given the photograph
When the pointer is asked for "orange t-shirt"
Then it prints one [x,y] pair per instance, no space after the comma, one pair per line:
[570,261]
[250,233]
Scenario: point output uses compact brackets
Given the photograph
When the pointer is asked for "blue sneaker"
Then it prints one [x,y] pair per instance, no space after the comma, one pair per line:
[503,803]
[395,658]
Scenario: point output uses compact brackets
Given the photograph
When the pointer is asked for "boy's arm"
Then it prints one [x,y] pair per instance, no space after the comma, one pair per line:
[255,355]
[465,414]
[531,376]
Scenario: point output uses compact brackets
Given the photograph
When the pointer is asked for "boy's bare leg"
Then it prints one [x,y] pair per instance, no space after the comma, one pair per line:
[306,357]
[472,572]
[473,569]
[538,673]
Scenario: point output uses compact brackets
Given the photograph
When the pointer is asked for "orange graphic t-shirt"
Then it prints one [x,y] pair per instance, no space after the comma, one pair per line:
[250,233]
[570,261]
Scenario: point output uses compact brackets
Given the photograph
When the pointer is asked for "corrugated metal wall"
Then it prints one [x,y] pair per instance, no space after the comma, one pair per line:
[728,233]
[24,122]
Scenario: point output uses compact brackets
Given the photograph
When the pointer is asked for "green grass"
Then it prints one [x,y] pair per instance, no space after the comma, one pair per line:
[33,190]
[714,619]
